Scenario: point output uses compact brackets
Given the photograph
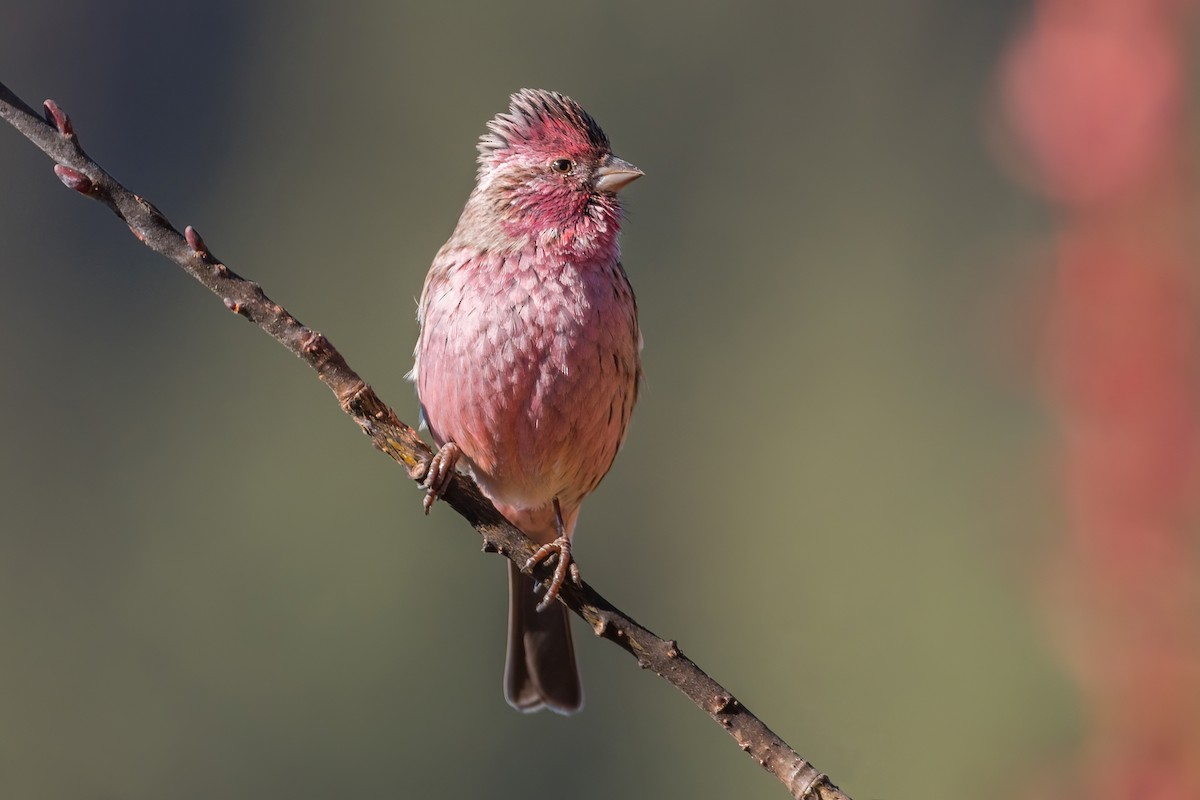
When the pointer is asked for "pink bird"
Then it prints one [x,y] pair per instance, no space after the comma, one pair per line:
[529,358]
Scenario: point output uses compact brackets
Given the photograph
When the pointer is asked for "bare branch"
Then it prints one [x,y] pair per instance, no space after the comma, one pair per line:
[56,136]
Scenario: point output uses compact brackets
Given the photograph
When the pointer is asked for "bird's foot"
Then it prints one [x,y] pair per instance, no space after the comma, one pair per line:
[439,473]
[560,548]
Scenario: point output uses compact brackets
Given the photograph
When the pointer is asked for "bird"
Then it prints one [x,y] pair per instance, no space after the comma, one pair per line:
[528,362]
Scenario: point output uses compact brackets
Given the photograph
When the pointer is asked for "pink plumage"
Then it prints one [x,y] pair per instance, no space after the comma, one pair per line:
[528,363]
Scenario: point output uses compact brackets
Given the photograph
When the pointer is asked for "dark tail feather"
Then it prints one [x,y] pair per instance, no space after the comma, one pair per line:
[539,669]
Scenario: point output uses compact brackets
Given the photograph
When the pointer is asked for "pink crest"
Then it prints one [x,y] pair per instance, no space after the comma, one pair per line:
[542,121]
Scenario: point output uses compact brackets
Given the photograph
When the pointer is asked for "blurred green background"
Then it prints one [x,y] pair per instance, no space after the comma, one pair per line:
[834,494]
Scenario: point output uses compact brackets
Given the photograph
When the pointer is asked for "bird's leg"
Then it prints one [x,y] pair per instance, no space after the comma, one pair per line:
[561,549]
[439,473]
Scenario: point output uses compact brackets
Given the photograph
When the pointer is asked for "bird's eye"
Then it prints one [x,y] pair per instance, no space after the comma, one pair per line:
[562,166]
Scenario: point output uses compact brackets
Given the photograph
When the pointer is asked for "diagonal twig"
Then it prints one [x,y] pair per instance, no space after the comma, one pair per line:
[55,135]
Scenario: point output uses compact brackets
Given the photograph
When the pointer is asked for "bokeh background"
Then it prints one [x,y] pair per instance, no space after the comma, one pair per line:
[912,474]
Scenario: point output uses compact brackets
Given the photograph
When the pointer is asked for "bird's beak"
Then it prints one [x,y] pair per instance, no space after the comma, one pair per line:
[615,174]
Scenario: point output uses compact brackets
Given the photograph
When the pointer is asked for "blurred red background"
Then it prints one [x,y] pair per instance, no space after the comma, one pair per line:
[1095,93]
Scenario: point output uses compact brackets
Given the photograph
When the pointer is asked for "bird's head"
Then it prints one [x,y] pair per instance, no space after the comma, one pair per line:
[546,167]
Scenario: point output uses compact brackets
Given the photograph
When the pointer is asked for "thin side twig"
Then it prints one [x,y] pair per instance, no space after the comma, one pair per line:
[55,135]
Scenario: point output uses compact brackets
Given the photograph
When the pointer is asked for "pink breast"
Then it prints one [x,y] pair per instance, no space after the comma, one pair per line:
[532,370]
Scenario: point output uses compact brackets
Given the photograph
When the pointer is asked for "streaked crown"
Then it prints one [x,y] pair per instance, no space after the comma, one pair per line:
[540,120]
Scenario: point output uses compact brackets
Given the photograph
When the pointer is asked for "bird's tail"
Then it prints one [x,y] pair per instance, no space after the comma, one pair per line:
[539,670]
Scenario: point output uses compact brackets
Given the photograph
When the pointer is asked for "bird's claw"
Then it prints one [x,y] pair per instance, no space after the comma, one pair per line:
[560,549]
[439,473]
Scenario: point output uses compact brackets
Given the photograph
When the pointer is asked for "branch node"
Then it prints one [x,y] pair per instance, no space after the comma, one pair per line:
[196,242]
[350,398]
[723,704]
[150,208]
[804,788]
[313,342]
[59,119]
[235,306]
[489,546]
[74,179]
[672,649]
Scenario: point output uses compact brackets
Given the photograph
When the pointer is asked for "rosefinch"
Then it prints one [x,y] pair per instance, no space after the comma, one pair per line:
[528,362]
